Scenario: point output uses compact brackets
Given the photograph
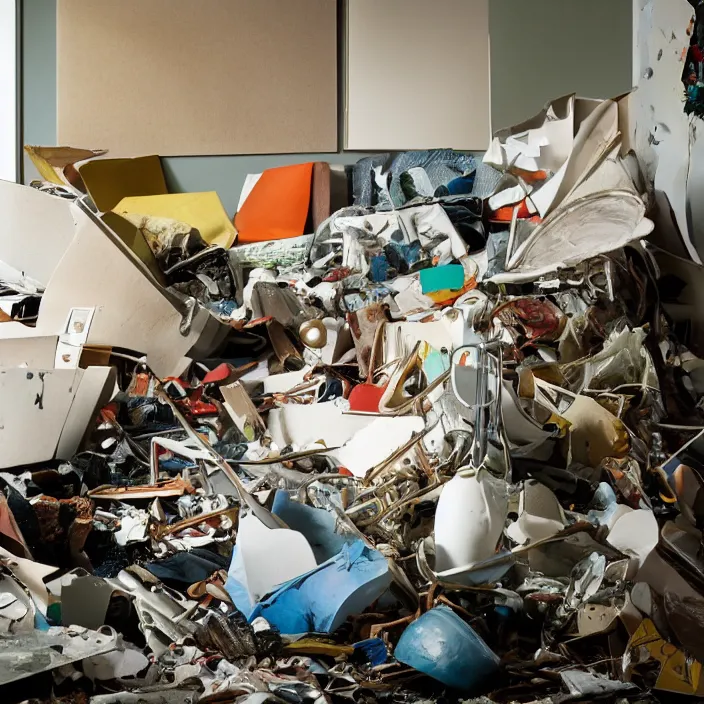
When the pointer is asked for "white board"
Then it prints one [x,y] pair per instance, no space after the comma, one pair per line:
[35,407]
[35,230]
[418,75]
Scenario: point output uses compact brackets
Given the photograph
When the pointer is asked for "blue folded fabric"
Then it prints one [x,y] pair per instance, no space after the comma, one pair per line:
[324,598]
[379,268]
[462,184]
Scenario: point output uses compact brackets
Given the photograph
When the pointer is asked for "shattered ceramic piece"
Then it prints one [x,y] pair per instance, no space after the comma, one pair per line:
[596,618]
[125,662]
[539,514]
[470,518]
[635,534]
[376,442]
[583,684]
[595,434]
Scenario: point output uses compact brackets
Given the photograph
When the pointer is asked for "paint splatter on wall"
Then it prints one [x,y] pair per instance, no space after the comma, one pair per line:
[693,73]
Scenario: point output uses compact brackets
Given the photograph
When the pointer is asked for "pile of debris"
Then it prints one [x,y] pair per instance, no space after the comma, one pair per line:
[445,447]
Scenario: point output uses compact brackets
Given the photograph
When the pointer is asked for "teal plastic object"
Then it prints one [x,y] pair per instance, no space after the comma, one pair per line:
[438,278]
[441,645]
[435,364]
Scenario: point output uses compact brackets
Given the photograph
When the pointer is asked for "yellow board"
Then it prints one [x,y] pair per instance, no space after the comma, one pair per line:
[108,181]
[204,211]
[51,161]
[679,672]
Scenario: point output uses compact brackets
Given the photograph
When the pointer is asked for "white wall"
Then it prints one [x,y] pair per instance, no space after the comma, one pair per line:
[8,91]
[665,138]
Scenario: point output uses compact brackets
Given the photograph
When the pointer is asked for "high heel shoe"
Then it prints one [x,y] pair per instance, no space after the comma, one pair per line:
[394,401]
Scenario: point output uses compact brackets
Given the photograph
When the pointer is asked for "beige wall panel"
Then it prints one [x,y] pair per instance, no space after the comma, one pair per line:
[187,77]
